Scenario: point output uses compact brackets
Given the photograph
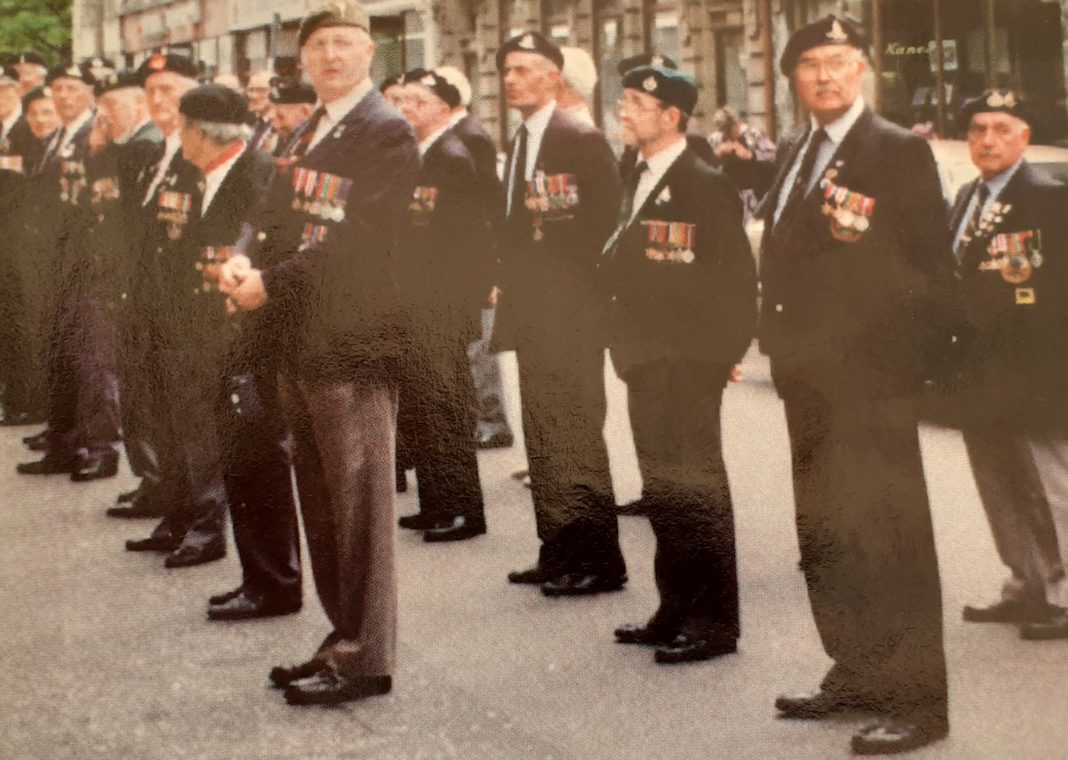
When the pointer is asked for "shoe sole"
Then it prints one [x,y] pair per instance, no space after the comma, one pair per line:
[265,614]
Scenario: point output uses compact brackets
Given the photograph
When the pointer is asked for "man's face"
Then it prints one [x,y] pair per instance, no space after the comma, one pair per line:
[997,141]
[30,75]
[72,97]
[395,95]
[530,80]
[827,80]
[163,90]
[194,143]
[42,117]
[289,116]
[642,117]
[336,59]
[424,110]
[100,132]
[258,92]
[119,112]
[9,98]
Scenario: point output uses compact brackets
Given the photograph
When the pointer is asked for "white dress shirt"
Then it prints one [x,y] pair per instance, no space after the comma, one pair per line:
[536,125]
[213,180]
[657,167]
[424,145]
[338,110]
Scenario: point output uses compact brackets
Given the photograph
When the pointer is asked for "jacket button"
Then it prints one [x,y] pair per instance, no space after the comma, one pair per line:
[778,308]
[261,236]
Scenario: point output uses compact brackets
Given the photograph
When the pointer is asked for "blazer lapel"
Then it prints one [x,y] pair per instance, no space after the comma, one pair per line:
[771,200]
[664,181]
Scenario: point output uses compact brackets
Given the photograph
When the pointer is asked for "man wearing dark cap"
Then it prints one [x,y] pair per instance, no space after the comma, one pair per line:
[561,204]
[1009,227]
[857,306]
[683,287]
[445,265]
[392,89]
[32,70]
[294,102]
[322,268]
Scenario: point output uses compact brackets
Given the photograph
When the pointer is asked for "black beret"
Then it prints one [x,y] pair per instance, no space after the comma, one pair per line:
[9,72]
[37,93]
[334,13]
[215,104]
[390,81]
[70,71]
[646,59]
[995,101]
[436,84]
[531,42]
[96,62]
[292,91]
[829,30]
[28,56]
[179,64]
[117,80]
[672,87]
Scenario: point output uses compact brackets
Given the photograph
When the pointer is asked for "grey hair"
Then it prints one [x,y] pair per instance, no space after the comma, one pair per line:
[222,134]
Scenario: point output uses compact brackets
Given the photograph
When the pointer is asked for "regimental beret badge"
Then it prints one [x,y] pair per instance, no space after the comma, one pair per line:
[96,63]
[998,99]
[158,62]
[657,60]
[74,71]
[527,43]
[47,92]
[428,81]
[649,84]
[837,33]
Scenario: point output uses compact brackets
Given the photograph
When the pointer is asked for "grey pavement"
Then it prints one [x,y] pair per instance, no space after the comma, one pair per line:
[109,655]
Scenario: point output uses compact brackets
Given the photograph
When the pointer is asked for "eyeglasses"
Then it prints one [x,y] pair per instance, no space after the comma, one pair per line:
[835,66]
[633,106]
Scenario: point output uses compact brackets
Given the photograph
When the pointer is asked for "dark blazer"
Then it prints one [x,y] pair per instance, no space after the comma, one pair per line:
[20,141]
[445,264]
[337,301]
[702,309]
[548,285]
[1017,334]
[863,318]
[483,152]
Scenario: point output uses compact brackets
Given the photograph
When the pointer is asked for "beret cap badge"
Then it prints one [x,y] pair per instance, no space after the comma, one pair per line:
[649,84]
[158,62]
[527,42]
[837,33]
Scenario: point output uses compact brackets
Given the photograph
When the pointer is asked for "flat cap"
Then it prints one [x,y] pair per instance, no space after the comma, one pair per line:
[829,30]
[646,59]
[995,101]
[215,104]
[436,83]
[176,63]
[288,91]
[531,42]
[334,13]
[27,56]
[37,93]
[70,71]
[672,87]
[117,80]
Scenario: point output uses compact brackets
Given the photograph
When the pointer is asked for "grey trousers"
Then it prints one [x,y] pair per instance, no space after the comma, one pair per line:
[344,436]
[489,391]
[1051,458]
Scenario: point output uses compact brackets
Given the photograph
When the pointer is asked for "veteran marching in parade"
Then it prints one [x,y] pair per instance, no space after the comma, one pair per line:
[281,298]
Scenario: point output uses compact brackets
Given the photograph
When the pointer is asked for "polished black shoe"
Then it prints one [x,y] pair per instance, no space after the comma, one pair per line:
[215,599]
[487,440]
[188,556]
[814,705]
[582,584]
[37,442]
[128,496]
[457,528]
[282,676]
[644,635]
[685,648]
[105,465]
[49,465]
[245,607]
[1054,628]
[1008,611]
[154,543]
[418,521]
[532,576]
[329,688]
[891,736]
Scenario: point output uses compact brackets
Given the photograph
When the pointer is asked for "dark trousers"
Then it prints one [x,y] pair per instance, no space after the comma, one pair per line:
[343,454]
[675,419]
[563,396]
[139,382]
[83,388]
[256,463]
[437,420]
[867,549]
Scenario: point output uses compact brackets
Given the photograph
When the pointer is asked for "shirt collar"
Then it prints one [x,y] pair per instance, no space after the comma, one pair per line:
[997,183]
[457,117]
[424,145]
[338,109]
[663,159]
[172,143]
[72,129]
[225,161]
[538,121]
[839,128]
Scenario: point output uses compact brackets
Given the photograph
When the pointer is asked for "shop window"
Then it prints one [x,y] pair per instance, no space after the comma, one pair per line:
[400,44]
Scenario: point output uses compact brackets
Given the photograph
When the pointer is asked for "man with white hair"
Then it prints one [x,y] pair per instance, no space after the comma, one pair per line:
[577,84]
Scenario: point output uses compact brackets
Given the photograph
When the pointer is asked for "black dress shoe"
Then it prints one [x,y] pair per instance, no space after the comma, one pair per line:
[329,688]
[456,529]
[812,705]
[486,440]
[127,496]
[1054,628]
[215,599]
[418,521]
[642,634]
[245,607]
[154,543]
[531,576]
[582,584]
[105,465]
[1008,611]
[283,675]
[685,648]
[37,442]
[188,556]
[891,736]
[51,464]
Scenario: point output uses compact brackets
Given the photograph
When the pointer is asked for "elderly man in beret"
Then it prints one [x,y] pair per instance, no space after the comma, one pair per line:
[322,268]
[1009,227]
[857,306]
[293,103]
[32,70]
[562,200]
[683,287]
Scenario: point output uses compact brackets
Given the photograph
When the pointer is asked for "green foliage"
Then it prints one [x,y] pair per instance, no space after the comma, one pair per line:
[43,25]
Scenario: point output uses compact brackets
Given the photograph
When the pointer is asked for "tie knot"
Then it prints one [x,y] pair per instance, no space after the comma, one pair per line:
[984,191]
[640,168]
